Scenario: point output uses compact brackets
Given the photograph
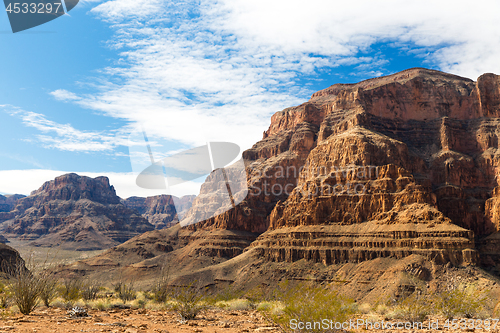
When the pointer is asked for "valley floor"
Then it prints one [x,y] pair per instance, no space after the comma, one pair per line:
[56,320]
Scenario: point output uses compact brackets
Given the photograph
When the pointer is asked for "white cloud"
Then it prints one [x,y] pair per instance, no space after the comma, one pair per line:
[197,71]
[117,10]
[465,37]
[64,136]
[26,181]
[216,70]
[64,95]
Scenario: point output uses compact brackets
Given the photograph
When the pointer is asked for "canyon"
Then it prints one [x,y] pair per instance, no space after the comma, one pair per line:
[364,183]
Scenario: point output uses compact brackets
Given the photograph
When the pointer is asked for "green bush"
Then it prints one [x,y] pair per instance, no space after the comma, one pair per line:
[307,302]
[3,296]
[160,290]
[90,290]
[461,301]
[26,286]
[71,289]
[49,292]
[414,308]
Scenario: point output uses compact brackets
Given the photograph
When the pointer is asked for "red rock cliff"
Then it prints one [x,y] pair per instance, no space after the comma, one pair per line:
[432,138]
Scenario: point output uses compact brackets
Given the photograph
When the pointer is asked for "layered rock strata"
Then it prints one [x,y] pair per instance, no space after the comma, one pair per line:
[75,212]
[431,140]
[160,210]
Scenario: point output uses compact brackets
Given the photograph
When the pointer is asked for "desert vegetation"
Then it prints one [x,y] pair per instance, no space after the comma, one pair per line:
[25,289]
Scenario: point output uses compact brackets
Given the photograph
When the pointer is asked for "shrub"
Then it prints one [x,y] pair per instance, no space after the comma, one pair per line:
[27,286]
[125,291]
[414,308]
[310,303]
[188,300]
[461,301]
[3,296]
[238,304]
[365,308]
[49,292]
[90,289]
[160,291]
[71,289]
[264,306]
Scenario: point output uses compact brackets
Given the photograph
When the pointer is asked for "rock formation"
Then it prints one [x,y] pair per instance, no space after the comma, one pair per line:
[160,210]
[389,173]
[415,152]
[10,260]
[75,213]
[7,203]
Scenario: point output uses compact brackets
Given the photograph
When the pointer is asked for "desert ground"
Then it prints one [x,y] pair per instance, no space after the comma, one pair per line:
[53,320]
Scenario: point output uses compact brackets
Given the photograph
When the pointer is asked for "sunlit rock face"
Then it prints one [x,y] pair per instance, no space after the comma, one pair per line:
[390,166]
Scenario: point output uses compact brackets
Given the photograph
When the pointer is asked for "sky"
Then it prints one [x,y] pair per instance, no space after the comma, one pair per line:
[76,91]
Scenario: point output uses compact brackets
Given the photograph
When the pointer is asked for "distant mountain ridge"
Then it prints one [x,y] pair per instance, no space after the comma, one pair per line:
[8,201]
[160,210]
[74,212]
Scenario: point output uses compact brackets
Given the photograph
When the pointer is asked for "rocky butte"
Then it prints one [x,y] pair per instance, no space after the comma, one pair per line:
[74,212]
[394,174]
[160,210]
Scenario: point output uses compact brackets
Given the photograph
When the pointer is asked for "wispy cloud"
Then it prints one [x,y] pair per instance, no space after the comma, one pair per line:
[64,95]
[64,136]
[194,71]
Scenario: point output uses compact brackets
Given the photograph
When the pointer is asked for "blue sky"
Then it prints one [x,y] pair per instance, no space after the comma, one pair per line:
[73,90]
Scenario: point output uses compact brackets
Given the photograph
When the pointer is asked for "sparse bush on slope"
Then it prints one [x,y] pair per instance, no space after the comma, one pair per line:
[160,290]
[461,300]
[49,292]
[90,290]
[413,308]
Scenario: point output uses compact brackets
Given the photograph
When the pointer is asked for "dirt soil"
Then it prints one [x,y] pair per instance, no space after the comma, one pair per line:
[55,320]
[137,321]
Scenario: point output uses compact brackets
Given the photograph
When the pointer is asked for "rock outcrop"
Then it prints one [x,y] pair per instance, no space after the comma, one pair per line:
[417,150]
[361,183]
[75,212]
[7,203]
[10,260]
[160,210]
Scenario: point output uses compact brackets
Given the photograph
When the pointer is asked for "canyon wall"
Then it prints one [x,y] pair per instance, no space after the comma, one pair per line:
[390,166]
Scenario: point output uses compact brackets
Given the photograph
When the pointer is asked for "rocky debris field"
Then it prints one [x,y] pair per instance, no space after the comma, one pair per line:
[54,320]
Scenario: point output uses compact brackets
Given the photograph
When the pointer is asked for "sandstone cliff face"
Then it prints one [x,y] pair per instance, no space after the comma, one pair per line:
[160,210]
[7,202]
[75,213]
[430,140]
[392,175]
